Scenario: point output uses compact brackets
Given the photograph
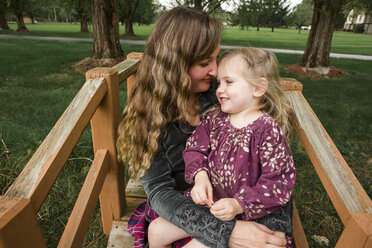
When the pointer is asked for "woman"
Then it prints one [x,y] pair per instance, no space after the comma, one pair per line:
[173,89]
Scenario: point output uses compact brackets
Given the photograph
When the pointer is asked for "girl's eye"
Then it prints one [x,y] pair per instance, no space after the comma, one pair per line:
[229,81]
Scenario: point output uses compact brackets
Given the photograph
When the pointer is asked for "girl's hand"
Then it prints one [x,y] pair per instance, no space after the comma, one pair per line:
[226,209]
[202,192]
[253,235]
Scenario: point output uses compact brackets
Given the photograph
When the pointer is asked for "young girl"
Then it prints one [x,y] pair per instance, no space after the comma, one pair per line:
[238,158]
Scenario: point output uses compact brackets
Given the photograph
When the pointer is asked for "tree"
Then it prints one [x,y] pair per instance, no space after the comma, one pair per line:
[3,11]
[256,12]
[18,8]
[82,8]
[301,15]
[275,12]
[128,9]
[318,45]
[145,13]
[106,43]
[242,15]
[207,5]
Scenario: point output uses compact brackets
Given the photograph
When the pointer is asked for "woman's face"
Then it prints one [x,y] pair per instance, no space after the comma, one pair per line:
[202,72]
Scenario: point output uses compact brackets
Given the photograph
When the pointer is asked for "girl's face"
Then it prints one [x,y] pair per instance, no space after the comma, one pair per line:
[234,93]
[202,72]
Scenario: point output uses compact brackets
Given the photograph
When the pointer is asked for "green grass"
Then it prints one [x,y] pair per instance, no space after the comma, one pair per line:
[37,82]
[342,42]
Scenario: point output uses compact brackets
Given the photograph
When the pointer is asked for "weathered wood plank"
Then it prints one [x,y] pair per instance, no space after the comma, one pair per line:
[41,171]
[78,222]
[345,191]
[290,84]
[18,224]
[119,237]
[126,68]
[135,189]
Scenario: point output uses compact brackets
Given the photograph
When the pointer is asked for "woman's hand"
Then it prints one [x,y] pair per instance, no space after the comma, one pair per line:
[202,192]
[226,209]
[253,235]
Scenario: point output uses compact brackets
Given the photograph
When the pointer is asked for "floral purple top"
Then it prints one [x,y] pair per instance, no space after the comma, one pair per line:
[252,164]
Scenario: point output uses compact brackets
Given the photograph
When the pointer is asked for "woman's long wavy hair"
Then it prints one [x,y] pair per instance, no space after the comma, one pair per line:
[261,63]
[182,37]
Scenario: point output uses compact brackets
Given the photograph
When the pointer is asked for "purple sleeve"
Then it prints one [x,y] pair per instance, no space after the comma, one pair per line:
[196,152]
[275,185]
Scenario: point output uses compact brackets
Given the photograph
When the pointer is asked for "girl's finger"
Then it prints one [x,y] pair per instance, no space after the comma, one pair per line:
[210,196]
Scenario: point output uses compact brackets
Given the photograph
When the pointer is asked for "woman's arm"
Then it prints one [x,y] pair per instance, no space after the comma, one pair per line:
[169,203]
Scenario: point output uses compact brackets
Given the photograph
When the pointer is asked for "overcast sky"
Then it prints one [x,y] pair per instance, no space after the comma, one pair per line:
[171,3]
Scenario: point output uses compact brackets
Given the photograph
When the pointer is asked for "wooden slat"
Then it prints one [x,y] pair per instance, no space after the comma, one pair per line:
[41,171]
[298,231]
[78,222]
[345,191]
[18,224]
[126,68]
[119,237]
[358,231]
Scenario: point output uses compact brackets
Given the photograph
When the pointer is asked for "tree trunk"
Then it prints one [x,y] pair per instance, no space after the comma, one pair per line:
[55,14]
[129,28]
[318,45]
[129,9]
[106,43]
[21,26]
[32,17]
[83,23]
[3,23]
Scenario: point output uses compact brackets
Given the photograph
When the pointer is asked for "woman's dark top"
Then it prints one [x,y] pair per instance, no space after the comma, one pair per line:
[164,184]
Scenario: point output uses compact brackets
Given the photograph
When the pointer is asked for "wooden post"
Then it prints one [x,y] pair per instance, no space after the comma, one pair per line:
[18,225]
[298,230]
[357,232]
[104,125]
[131,80]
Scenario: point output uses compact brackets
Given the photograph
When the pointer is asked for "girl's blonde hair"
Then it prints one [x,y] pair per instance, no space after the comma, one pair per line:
[182,37]
[263,64]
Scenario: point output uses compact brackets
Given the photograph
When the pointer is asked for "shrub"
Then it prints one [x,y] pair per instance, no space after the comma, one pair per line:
[359,28]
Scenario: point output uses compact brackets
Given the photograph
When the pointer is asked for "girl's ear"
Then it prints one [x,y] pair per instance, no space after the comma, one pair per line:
[261,88]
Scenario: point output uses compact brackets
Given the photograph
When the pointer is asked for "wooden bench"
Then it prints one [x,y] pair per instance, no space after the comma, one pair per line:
[98,103]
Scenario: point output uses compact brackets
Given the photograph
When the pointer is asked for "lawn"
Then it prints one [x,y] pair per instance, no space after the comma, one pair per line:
[342,42]
[38,81]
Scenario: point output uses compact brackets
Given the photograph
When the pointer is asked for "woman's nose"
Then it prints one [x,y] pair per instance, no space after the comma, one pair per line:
[213,69]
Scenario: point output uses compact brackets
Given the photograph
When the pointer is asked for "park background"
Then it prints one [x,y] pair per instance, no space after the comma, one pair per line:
[39,78]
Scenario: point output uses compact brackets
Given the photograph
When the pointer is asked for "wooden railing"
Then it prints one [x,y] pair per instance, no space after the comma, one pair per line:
[98,103]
